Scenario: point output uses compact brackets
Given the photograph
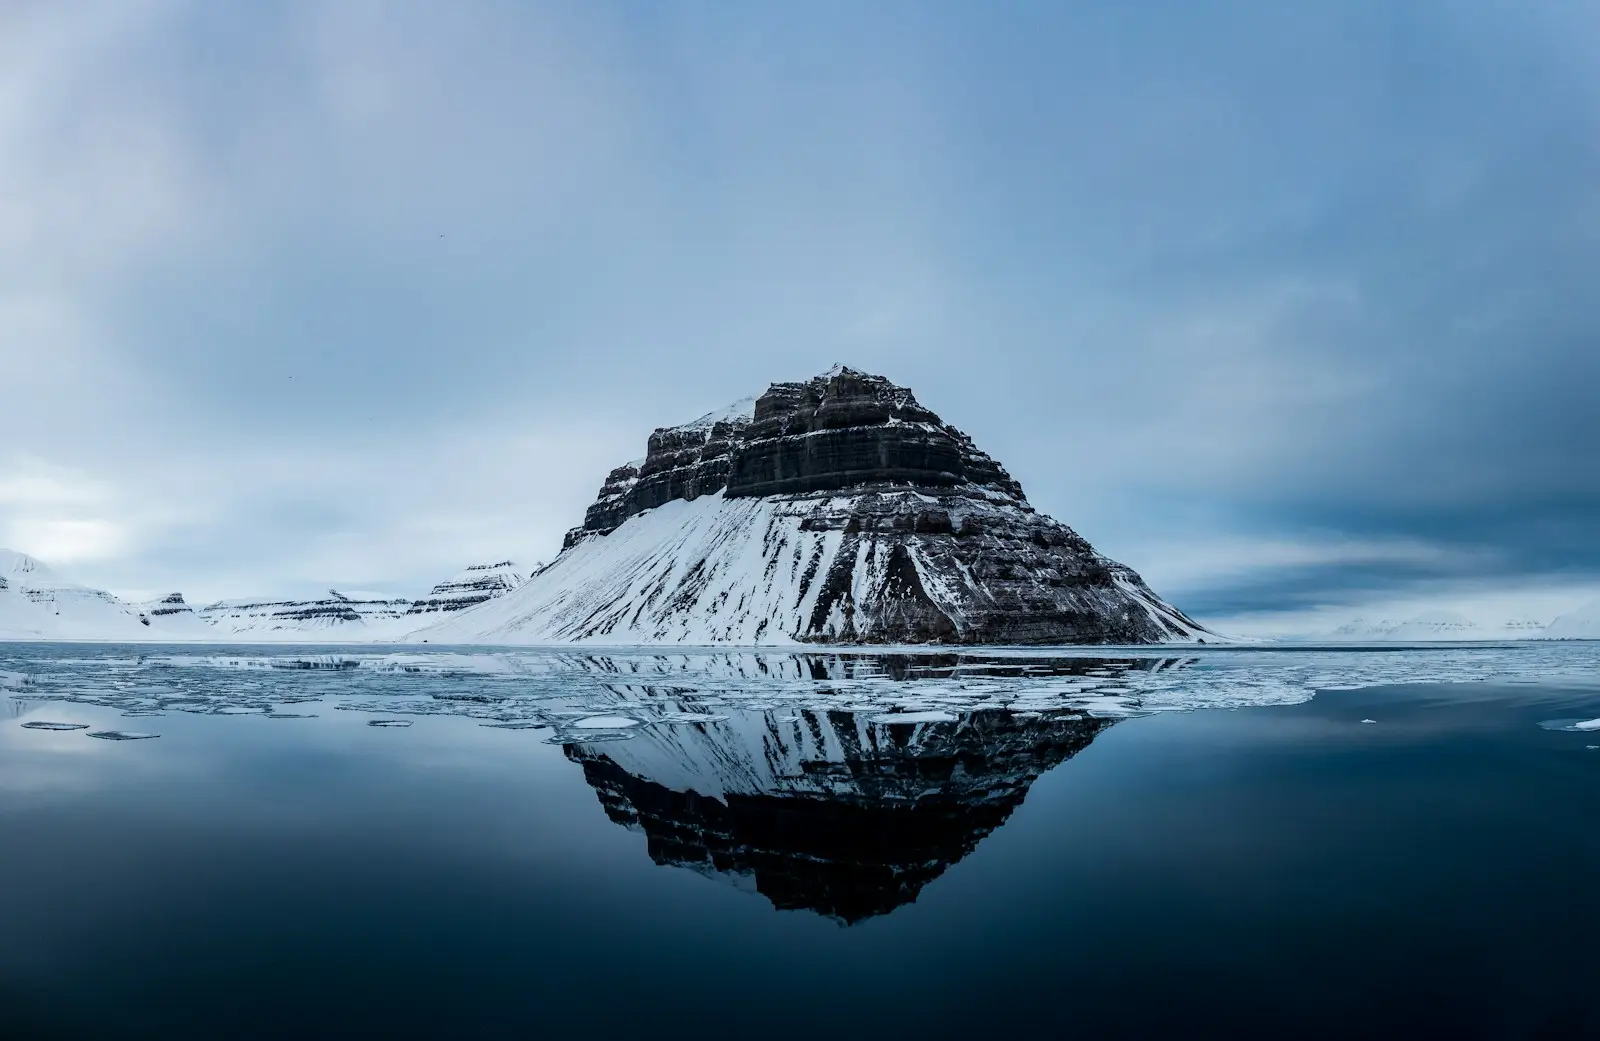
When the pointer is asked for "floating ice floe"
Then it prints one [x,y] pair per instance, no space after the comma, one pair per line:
[44,725]
[589,737]
[122,735]
[604,723]
[648,689]
[1369,721]
[1576,726]
[693,717]
[388,722]
[934,716]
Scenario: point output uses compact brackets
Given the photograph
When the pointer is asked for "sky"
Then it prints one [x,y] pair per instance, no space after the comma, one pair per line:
[1289,307]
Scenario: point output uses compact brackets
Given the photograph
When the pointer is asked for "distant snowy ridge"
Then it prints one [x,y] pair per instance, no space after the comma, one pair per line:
[1433,627]
[338,616]
[473,586]
[1580,624]
[836,510]
[38,604]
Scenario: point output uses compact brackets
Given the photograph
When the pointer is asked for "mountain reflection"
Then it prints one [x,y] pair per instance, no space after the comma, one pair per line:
[831,812]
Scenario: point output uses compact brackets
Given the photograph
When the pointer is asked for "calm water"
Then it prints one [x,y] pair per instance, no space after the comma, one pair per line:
[777,846]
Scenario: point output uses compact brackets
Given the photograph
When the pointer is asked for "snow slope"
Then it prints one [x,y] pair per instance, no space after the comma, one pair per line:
[37,603]
[711,570]
[469,588]
[1580,624]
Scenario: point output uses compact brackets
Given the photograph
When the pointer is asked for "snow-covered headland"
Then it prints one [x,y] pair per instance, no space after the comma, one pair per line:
[834,510]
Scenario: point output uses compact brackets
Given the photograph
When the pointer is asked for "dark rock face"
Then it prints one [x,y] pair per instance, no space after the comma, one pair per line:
[681,463]
[848,429]
[169,605]
[937,541]
[857,835]
[842,430]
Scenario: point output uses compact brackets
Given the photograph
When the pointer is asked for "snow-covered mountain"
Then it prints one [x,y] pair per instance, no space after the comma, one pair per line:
[37,603]
[1435,626]
[469,588]
[837,510]
[172,615]
[1580,624]
[337,617]
[837,813]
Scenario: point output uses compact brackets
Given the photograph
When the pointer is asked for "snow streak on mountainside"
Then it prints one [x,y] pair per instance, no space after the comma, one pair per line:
[837,510]
[471,587]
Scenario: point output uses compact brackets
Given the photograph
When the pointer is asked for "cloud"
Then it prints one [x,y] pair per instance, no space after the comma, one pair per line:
[1283,307]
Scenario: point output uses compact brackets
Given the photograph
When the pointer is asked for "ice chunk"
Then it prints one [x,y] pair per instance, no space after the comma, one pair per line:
[122,735]
[590,738]
[1578,726]
[932,716]
[388,722]
[604,723]
[43,725]
[693,717]
[1369,721]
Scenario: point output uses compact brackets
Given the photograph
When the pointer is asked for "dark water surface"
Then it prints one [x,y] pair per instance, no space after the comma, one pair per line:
[750,846]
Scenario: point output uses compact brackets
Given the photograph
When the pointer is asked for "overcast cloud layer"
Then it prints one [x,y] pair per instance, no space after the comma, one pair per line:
[1290,307]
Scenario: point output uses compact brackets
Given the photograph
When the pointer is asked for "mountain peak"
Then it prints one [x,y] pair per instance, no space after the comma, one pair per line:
[838,509]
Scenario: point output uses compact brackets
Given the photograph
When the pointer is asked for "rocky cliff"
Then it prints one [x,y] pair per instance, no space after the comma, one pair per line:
[839,510]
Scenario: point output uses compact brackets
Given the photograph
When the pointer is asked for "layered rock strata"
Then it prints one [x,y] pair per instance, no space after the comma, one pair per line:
[835,510]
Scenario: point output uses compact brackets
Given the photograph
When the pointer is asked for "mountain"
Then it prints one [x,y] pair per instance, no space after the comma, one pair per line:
[337,617]
[1581,624]
[37,603]
[842,814]
[469,588]
[834,510]
[1435,626]
[172,615]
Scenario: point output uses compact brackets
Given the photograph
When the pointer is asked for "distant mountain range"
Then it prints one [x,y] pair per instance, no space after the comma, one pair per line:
[38,604]
[1452,626]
